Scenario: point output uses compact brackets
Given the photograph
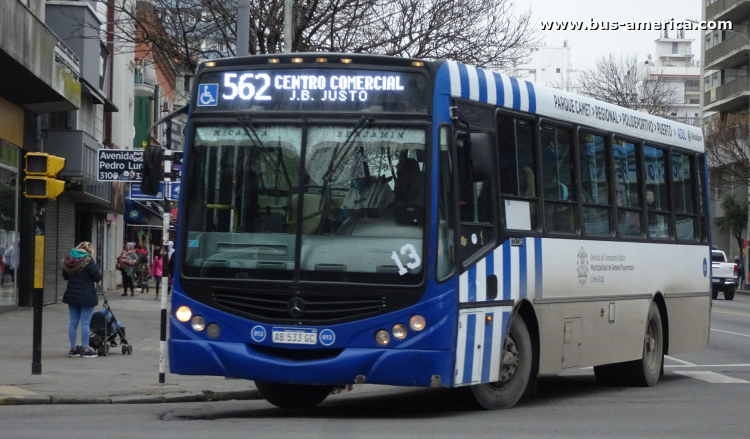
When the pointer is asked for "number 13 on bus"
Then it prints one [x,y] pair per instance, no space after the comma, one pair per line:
[430,224]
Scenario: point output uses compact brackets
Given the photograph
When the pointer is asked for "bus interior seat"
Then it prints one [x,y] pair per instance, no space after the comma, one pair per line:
[310,206]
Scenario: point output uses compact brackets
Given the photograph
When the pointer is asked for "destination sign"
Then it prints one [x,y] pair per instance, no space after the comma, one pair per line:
[125,165]
[313,89]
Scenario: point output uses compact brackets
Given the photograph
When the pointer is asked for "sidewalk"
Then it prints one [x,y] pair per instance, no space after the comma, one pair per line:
[114,379]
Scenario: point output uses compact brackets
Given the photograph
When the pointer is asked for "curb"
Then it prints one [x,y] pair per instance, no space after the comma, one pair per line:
[742,292]
[205,396]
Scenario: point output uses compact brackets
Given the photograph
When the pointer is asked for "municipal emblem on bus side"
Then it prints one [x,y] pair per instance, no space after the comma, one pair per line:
[583,266]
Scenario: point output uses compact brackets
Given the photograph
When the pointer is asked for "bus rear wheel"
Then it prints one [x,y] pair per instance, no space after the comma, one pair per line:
[515,372]
[645,372]
[292,396]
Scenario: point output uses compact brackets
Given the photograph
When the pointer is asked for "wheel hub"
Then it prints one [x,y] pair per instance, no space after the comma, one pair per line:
[510,360]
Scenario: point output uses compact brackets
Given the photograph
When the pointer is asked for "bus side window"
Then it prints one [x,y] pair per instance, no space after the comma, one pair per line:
[446,209]
[627,176]
[517,167]
[559,177]
[702,199]
[475,207]
[657,196]
[683,197]
[593,162]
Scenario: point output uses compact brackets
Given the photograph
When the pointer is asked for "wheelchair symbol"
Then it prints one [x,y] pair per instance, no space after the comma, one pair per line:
[208,94]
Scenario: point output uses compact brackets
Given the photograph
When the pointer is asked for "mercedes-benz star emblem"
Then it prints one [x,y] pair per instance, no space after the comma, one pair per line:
[295,306]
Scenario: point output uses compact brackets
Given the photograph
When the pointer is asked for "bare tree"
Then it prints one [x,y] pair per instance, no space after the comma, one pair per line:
[485,33]
[630,84]
[727,141]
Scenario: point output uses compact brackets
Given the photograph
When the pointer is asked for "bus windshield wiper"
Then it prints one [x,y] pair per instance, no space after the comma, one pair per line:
[250,131]
[361,124]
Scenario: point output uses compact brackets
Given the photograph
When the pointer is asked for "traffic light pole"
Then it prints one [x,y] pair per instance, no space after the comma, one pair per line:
[38,293]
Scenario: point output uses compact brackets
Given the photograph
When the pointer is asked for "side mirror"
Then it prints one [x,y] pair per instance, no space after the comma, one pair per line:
[153,169]
[480,156]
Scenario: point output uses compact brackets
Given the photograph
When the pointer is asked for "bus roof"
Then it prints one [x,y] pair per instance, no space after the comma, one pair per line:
[517,94]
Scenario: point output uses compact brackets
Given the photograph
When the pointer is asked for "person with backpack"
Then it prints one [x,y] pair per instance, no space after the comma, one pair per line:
[157,269]
[129,261]
[82,274]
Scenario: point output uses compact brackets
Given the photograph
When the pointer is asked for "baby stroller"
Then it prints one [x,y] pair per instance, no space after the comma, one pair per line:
[104,332]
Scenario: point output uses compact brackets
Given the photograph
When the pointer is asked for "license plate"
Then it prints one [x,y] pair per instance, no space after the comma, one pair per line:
[716,281]
[294,335]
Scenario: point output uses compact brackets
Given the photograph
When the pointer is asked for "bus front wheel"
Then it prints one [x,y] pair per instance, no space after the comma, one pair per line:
[515,372]
[292,396]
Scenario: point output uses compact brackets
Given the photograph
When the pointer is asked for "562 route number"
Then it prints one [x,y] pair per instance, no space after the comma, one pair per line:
[248,86]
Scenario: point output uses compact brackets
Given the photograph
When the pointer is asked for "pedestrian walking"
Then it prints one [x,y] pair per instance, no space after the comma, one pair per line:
[82,274]
[170,266]
[129,261]
[741,271]
[157,267]
[142,270]
[10,261]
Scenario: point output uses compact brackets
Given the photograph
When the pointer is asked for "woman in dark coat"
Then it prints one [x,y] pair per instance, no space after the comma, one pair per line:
[81,272]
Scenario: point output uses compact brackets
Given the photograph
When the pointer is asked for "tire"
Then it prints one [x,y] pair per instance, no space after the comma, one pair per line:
[714,293]
[645,372]
[292,396]
[729,294]
[515,376]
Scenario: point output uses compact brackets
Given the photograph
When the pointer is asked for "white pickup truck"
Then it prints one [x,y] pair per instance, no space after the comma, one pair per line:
[723,275]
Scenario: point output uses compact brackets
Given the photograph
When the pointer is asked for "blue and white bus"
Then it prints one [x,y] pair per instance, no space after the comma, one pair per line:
[355,219]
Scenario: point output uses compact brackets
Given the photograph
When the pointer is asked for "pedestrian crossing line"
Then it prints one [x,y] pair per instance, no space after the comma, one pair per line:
[711,377]
[686,363]
[733,333]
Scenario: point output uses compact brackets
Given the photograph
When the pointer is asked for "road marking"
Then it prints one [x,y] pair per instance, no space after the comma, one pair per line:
[712,377]
[729,332]
[740,314]
[707,365]
[686,363]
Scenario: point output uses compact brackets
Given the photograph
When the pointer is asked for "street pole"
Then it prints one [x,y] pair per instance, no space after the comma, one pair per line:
[288,19]
[38,293]
[243,27]
[164,268]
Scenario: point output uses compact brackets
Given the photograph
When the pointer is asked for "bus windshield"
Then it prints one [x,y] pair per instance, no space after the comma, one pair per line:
[360,215]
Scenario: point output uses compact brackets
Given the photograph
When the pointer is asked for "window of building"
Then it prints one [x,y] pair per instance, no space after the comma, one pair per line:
[557,70]
[593,163]
[559,177]
[674,48]
[627,176]
[657,194]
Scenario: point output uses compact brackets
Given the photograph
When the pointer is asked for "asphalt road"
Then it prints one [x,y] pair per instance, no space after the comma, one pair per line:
[703,395]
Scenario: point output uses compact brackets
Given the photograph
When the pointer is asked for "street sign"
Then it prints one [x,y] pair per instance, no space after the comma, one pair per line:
[136,194]
[120,165]
[173,194]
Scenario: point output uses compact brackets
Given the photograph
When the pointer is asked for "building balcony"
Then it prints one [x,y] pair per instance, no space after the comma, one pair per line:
[729,53]
[729,97]
[731,10]
[40,71]
[695,121]
[80,151]
[143,88]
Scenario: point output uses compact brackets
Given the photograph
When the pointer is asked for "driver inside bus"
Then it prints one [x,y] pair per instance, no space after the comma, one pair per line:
[366,192]
[410,185]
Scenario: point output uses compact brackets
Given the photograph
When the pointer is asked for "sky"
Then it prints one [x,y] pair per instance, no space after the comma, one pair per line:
[586,46]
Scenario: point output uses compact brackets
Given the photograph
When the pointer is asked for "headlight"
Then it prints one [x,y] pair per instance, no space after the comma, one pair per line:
[382,337]
[198,323]
[399,331]
[417,323]
[183,314]
[213,330]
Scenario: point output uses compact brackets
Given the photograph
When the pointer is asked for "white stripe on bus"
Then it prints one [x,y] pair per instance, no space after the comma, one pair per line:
[508,91]
[491,89]
[463,287]
[524,95]
[473,83]
[455,79]
[481,282]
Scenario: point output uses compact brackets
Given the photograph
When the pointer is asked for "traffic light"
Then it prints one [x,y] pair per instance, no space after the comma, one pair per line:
[41,170]
[153,172]
[177,165]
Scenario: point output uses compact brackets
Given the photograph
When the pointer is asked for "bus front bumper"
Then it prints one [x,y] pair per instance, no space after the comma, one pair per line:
[398,367]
